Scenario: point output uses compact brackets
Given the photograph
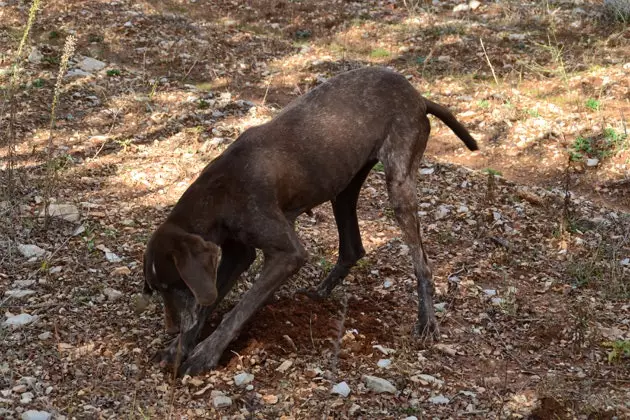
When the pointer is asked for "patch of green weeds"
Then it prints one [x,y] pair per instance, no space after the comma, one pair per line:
[113,72]
[379,53]
[38,83]
[94,38]
[54,35]
[484,104]
[619,349]
[491,171]
[593,104]
[203,104]
[533,113]
[379,167]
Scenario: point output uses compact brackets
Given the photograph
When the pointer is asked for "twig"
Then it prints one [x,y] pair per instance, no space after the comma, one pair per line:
[489,63]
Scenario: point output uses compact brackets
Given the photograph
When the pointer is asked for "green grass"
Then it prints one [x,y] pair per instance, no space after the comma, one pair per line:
[484,104]
[593,104]
[113,72]
[379,53]
[491,171]
[379,167]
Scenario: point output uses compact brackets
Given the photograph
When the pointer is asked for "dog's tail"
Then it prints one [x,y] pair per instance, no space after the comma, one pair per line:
[449,119]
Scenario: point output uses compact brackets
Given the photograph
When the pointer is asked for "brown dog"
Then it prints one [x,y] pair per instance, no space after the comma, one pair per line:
[320,148]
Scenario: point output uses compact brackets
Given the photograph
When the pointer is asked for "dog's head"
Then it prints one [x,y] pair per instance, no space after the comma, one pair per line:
[182,268]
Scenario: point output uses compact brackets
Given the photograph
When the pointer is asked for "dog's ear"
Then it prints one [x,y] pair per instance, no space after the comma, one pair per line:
[196,261]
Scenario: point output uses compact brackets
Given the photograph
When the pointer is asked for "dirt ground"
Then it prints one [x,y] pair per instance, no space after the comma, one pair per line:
[528,238]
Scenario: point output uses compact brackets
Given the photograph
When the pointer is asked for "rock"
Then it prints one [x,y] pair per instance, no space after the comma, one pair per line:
[35,56]
[384,363]
[120,271]
[30,250]
[112,294]
[243,379]
[444,58]
[19,389]
[387,283]
[461,8]
[439,399]
[353,409]
[270,399]
[341,388]
[592,162]
[66,212]
[76,73]
[427,171]
[447,349]
[411,418]
[440,307]
[36,415]
[109,255]
[284,366]
[441,212]
[474,4]
[490,292]
[18,293]
[427,379]
[19,320]
[23,283]
[26,398]
[249,387]
[517,37]
[379,385]
[221,401]
[45,335]
[383,349]
[625,262]
[89,65]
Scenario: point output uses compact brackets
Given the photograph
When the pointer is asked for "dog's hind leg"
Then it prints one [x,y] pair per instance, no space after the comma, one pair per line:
[350,245]
[400,155]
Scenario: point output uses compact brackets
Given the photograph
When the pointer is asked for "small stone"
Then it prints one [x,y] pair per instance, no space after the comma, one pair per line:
[387,283]
[353,409]
[441,212]
[221,401]
[447,349]
[36,415]
[384,363]
[19,389]
[625,262]
[23,283]
[439,399]
[27,398]
[77,73]
[45,335]
[30,250]
[112,294]
[461,8]
[89,64]
[284,366]
[66,212]
[383,349]
[474,4]
[18,293]
[444,58]
[490,292]
[592,162]
[440,307]
[243,379]
[517,37]
[411,418]
[341,388]
[425,379]
[270,399]
[19,320]
[120,271]
[427,171]
[35,56]
[249,387]
[379,385]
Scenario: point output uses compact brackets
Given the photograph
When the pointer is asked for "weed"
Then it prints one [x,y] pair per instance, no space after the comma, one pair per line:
[593,104]
[303,34]
[491,171]
[38,83]
[364,264]
[325,265]
[113,72]
[484,104]
[379,167]
[533,113]
[124,143]
[54,35]
[52,59]
[619,349]
[379,53]
[93,38]
[203,104]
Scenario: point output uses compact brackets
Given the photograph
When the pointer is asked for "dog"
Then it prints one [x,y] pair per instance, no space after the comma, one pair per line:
[320,148]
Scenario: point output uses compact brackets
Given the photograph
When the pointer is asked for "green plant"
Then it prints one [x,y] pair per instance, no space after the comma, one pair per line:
[38,83]
[379,167]
[615,140]
[325,265]
[203,104]
[113,72]
[583,144]
[619,349]
[124,143]
[533,113]
[483,104]
[593,104]
[95,38]
[54,35]
[379,53]
[491,171]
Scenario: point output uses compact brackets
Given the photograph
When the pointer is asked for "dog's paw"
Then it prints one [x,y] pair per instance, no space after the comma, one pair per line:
[427,331]
[198,363]
[172,355]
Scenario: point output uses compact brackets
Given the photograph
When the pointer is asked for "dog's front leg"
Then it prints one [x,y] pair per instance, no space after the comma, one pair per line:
[278,266]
